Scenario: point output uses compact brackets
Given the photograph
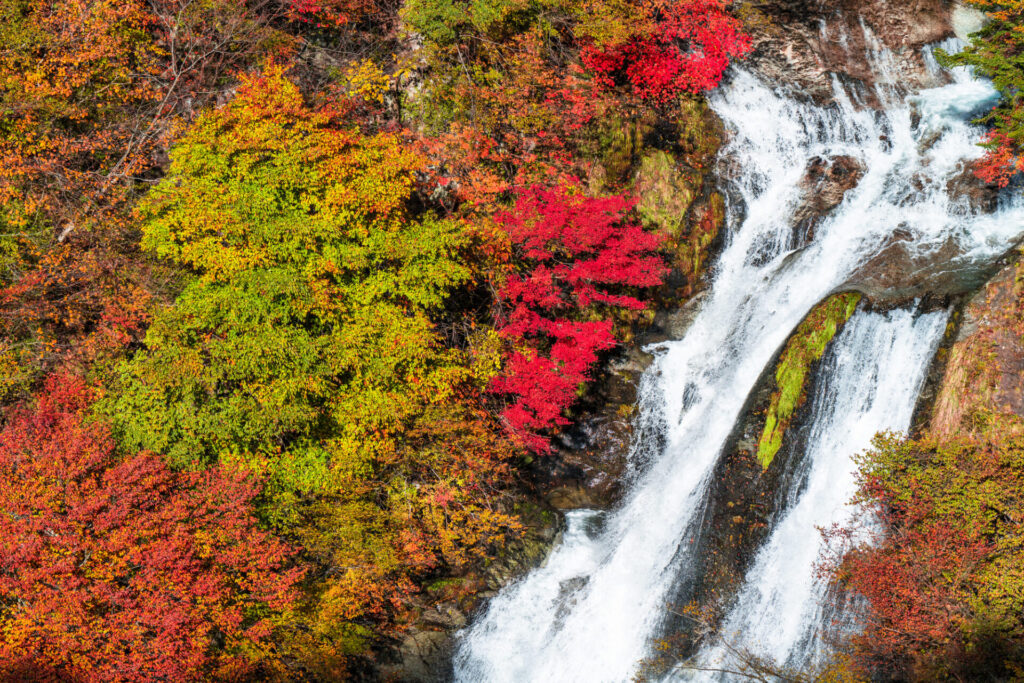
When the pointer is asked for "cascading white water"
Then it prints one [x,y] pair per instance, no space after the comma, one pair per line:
[872,376]
[590,612]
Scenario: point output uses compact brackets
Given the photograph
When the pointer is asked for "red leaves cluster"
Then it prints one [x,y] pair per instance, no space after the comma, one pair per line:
[688,50]
[942,571]
[574,253]
[915,583]
[332,13]
[1002,162]
[120,569]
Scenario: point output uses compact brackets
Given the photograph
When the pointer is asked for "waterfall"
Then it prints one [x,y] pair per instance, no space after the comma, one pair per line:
[873,374]
[590,612]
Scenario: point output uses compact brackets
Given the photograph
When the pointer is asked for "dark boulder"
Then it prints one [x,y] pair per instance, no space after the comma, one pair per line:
[824,185]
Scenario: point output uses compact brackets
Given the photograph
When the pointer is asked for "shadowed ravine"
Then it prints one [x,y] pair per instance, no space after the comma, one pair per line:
[590,613]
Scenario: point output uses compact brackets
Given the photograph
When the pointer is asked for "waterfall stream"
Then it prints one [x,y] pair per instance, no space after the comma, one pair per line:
[589,614]
[873,374]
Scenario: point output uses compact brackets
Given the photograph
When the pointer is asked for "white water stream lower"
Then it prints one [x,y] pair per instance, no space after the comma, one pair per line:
[872,376]
[590,613]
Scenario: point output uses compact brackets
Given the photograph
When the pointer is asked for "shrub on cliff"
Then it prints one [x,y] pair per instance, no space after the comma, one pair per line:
[575,259]
[943,570]
[684,46]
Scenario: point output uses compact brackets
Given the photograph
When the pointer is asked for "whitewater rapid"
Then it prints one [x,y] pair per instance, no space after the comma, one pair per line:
[872,375]
[590,613]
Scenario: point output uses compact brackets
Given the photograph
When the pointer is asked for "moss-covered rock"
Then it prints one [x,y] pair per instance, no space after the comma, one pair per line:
[700,133]
[665,192]
[693,248]
[620,145]
[804,349]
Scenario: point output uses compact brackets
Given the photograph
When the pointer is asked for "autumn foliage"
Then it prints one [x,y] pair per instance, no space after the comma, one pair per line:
[685,47]
[267,273]
[308,316]
[576,258]
[120,569]
[942,565]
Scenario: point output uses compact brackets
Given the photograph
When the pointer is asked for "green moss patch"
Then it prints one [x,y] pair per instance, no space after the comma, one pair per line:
[803,350]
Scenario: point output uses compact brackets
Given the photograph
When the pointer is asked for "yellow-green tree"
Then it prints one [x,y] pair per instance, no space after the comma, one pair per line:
[302,347]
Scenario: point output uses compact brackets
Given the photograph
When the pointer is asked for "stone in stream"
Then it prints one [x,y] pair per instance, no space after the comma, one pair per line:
[825,184]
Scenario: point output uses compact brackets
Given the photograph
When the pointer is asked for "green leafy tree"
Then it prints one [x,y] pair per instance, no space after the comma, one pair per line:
[306,328]
[302,348]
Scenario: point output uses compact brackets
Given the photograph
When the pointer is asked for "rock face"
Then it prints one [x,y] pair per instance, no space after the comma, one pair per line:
[899,274]
[985,365]
[803,42]
[825,184]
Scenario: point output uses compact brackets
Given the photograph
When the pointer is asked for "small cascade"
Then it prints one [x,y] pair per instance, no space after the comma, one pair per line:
[590,613]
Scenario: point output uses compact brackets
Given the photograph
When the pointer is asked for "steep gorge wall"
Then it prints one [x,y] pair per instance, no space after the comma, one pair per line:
[982,370]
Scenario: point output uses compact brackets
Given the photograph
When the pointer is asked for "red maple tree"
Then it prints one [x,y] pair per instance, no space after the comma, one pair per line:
[575,255]
[118,569]
[687,49]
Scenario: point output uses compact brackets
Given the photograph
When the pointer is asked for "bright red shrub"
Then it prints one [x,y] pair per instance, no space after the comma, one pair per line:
[120,569]
[1002,162]
[575,254]
[688,50]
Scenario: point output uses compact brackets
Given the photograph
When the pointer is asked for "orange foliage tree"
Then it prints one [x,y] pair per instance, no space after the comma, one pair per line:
[121,570]
[92,91]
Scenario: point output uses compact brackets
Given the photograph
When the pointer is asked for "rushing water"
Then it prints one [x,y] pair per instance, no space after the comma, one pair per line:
[590,612]
[873,374]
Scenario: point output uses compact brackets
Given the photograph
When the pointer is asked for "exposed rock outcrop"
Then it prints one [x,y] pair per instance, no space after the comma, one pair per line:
[984,369]
[900,273]
[825,184]
[801,43]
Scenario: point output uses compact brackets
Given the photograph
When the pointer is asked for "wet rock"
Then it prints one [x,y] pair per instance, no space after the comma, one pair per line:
[671,325]
[575,497]
[586,472]
[828,179]
[444,615]
[801,43]
[825,184]
[901,272]
[423,656]
[979,195]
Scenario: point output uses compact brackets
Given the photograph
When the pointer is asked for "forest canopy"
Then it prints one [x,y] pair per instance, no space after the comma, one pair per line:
[299,297]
